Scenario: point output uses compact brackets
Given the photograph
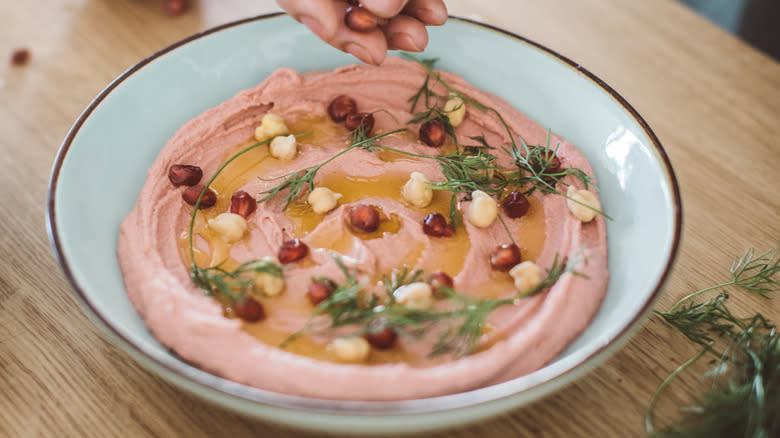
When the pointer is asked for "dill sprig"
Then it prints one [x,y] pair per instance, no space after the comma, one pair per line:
[361,138]
[752,272]
[428,65]
[425,90]
[533,168]
[236,283]
[216,280]
[460,320]
[434,111]
[301,181]
[398,278]
[350,305]
[466,173]
[532,163]
[360,135]
[460,340]
[745,396]
[533,171]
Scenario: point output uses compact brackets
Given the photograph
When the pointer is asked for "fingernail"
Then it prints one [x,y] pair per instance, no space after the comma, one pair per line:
[315,26]
[360,53]
[402,41]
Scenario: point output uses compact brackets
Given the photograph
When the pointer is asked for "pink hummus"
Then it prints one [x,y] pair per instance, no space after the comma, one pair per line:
[524,337]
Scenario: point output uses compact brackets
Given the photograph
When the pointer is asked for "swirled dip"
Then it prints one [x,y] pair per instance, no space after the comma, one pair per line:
[517,338]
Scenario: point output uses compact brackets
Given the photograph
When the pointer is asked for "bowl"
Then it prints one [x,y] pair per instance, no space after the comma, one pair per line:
[106,154]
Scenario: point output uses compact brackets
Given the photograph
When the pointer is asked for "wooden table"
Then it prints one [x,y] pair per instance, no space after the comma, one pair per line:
[713,101]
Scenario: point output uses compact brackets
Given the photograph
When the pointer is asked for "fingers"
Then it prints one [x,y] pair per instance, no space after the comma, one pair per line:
[384,8]
[406,33]
[405,29]
[326,20]
[321,17]
[369,47]
[430,12]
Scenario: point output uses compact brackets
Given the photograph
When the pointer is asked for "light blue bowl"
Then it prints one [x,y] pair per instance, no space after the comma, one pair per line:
[102,165]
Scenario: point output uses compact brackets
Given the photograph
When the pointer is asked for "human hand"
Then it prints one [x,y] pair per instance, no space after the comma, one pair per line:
[402,24]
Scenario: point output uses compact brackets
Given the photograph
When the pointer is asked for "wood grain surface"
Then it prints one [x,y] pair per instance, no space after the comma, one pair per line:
[713,101]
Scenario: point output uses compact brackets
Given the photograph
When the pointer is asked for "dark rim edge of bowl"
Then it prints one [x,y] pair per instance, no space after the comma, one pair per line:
[377,408]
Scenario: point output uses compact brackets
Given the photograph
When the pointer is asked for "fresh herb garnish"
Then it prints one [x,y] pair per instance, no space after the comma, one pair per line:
[483,144]
[216,280]
[432,108]
[532,169]
[427,89]
[301,181]
[467,173]
[350,305]
[459,321]
[428,65]
[234,284]
[745,397]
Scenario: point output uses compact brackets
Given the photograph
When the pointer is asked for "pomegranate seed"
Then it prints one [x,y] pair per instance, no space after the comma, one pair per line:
[438,281]
[249,309]
[20,57]
[242,203]
[382,339]
[433,133]
[436,225]
[553,163]
[176,7]
[505,256]
[360,19]
[292,251]
[184,175]
[320,290]
[515,204]
[341,107]
[354,120]
[190,196]
[364,218]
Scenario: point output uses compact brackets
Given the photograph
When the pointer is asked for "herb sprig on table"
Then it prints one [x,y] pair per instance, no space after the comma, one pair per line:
[460,321]
[745,396]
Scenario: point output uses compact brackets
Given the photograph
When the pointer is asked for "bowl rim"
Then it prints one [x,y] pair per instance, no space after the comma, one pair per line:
[480,396]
